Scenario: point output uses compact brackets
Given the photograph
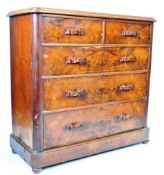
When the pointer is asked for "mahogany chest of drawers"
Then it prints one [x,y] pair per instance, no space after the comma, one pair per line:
[80,83]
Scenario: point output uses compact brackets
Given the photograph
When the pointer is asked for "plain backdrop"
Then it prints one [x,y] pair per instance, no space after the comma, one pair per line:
[139,159]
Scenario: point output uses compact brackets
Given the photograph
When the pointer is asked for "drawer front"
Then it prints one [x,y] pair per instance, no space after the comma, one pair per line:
[127,33]
[82,91]
[67,30]
[75,126]
[79,60]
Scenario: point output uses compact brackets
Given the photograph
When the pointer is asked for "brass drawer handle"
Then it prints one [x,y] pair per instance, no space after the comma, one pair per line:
[129,34]
[75,60]
[74,126]
[75,93]
[124,117]
[125,87]
[127,59]
[70,31]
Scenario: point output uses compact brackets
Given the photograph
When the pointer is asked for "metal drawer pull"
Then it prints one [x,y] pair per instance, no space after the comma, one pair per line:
[75,60]
[125,87]
[124,117]
[129,34]
[75,93]
[74,125]
[78,32]
[127,59]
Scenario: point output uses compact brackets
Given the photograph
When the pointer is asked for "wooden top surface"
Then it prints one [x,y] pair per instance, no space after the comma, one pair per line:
[77,13]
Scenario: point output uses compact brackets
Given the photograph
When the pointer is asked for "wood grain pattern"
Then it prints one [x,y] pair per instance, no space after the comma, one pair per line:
[115,29]
[53,11]
[96,60]
[21,77]
[94,74]
[100,89]
[93,45]
[95,122]
[54,29]
[80,83]
[37,73]
[76,151]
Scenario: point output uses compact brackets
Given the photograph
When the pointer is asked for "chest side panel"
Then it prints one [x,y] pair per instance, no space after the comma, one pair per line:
[21,77]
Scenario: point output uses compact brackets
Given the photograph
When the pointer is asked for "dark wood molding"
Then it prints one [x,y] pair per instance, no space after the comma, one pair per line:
[37,114]
[93,45]
[91,106]
[95,74]
[59,155]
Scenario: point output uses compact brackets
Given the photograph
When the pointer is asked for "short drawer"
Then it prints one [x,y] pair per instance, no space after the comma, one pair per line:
[68,30]
[79,60]
[64,128]
[82,91]
[127,33]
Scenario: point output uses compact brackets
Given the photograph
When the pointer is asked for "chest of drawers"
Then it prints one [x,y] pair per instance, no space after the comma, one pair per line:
[80,83]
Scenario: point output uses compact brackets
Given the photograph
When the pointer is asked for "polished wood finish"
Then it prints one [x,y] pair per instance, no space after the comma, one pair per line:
[93,122]
[105,91]
[21,77]
[122,33]
[55,60]
[80,83]
[37,73]
[77,13]
[55,30]
[66,153]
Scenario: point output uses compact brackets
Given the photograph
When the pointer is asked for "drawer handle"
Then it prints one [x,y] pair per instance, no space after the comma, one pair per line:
[75,93]
[129,34]
[125,87]
[127,59]
[124,117]
[75,60]
[78,32]
[74,125]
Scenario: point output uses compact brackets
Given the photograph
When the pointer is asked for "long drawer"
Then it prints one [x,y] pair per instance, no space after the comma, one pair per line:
[68,30]
[127,33]
[81,91]
[64,128]
[79,60]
